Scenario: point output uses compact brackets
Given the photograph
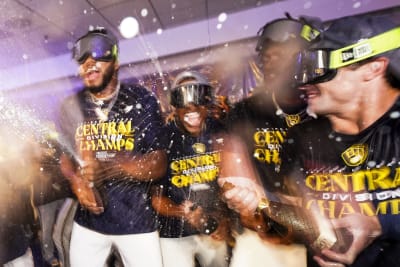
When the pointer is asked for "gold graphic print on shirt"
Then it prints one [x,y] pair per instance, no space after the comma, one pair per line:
[196,169]
[292,119]
[355,155]
[268,144]
[339,194]
[105,136]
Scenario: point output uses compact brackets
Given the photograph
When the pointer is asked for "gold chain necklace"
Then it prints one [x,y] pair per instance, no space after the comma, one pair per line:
[291,119]
[102,113]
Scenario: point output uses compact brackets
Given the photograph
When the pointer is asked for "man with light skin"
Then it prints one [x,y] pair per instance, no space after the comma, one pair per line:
[351,79]
[113,132]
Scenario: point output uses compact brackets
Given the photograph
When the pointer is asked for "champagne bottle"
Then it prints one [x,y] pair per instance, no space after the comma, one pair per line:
[303,226]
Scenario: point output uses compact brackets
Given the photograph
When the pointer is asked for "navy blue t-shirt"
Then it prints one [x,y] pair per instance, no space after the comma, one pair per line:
[133,127]
[256,122]
[193,167]
[343,174]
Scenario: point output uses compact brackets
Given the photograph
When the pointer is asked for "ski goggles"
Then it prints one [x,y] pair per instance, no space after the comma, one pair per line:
[98,46]
[197,94]
[320,65]
[285,30]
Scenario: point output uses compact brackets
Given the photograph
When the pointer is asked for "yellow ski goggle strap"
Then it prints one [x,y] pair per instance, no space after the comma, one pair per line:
[309,33]
[114,51]
[365,49]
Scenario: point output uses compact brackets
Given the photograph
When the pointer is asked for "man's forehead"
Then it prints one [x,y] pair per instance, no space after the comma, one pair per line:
[289,48]
[292,43]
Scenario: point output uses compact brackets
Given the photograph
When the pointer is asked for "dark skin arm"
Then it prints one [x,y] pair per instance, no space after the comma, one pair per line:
[146,167]
[166,207]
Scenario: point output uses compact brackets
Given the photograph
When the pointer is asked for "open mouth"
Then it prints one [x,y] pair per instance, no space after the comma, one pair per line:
[310,91]
[92,73]
[193,119]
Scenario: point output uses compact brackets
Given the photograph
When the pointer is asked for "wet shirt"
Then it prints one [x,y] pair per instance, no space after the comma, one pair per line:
[132,127]
[256,122]
[342,174]
[193,167]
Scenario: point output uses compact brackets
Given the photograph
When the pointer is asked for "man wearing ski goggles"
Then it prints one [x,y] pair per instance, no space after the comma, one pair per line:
[321,65]
[198,94]
[105,101]
[99,45]
[351,78]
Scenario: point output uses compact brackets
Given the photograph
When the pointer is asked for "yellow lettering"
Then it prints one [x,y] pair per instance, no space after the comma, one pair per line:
[367,208]
[341,181]
[86,129]
[329,209]
[100,144]
[175,167]
[264,138]
[110,145]
[94,129]
[259,139]
[268,156]
[130,144]
[346,209]
[79,131]
[112,128]
[378,178]
[383,206]
[358,181]
[197,177]
[323,183]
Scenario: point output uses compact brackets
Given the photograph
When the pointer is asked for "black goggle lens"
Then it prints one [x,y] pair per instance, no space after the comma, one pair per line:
[97,46]
[313,67]
[197,94]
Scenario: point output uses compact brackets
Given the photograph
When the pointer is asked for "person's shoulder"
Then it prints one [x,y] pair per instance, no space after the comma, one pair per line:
[215,125]
[170,126]
[135,88]
[137,92]
[74,99]
[257,103]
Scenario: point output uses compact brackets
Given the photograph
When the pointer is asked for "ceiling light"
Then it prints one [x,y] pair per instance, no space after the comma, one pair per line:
[222,17]
[144,12]
[129,27]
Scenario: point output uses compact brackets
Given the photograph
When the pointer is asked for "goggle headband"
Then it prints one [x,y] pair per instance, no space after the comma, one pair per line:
[326,61]
[364,49]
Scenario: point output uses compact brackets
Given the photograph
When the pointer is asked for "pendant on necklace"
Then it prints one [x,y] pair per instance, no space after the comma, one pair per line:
[102,114]
[292,119]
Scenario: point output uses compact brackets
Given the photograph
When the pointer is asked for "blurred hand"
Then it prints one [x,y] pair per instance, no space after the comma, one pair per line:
[83,190]
[89,170]
[364,229]
[241,194]
[223,231]
[193,215]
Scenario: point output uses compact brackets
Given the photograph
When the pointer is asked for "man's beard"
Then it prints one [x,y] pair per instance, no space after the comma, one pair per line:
[107,77]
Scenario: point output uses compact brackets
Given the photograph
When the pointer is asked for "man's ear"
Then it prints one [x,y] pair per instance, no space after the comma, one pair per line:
[375,68]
